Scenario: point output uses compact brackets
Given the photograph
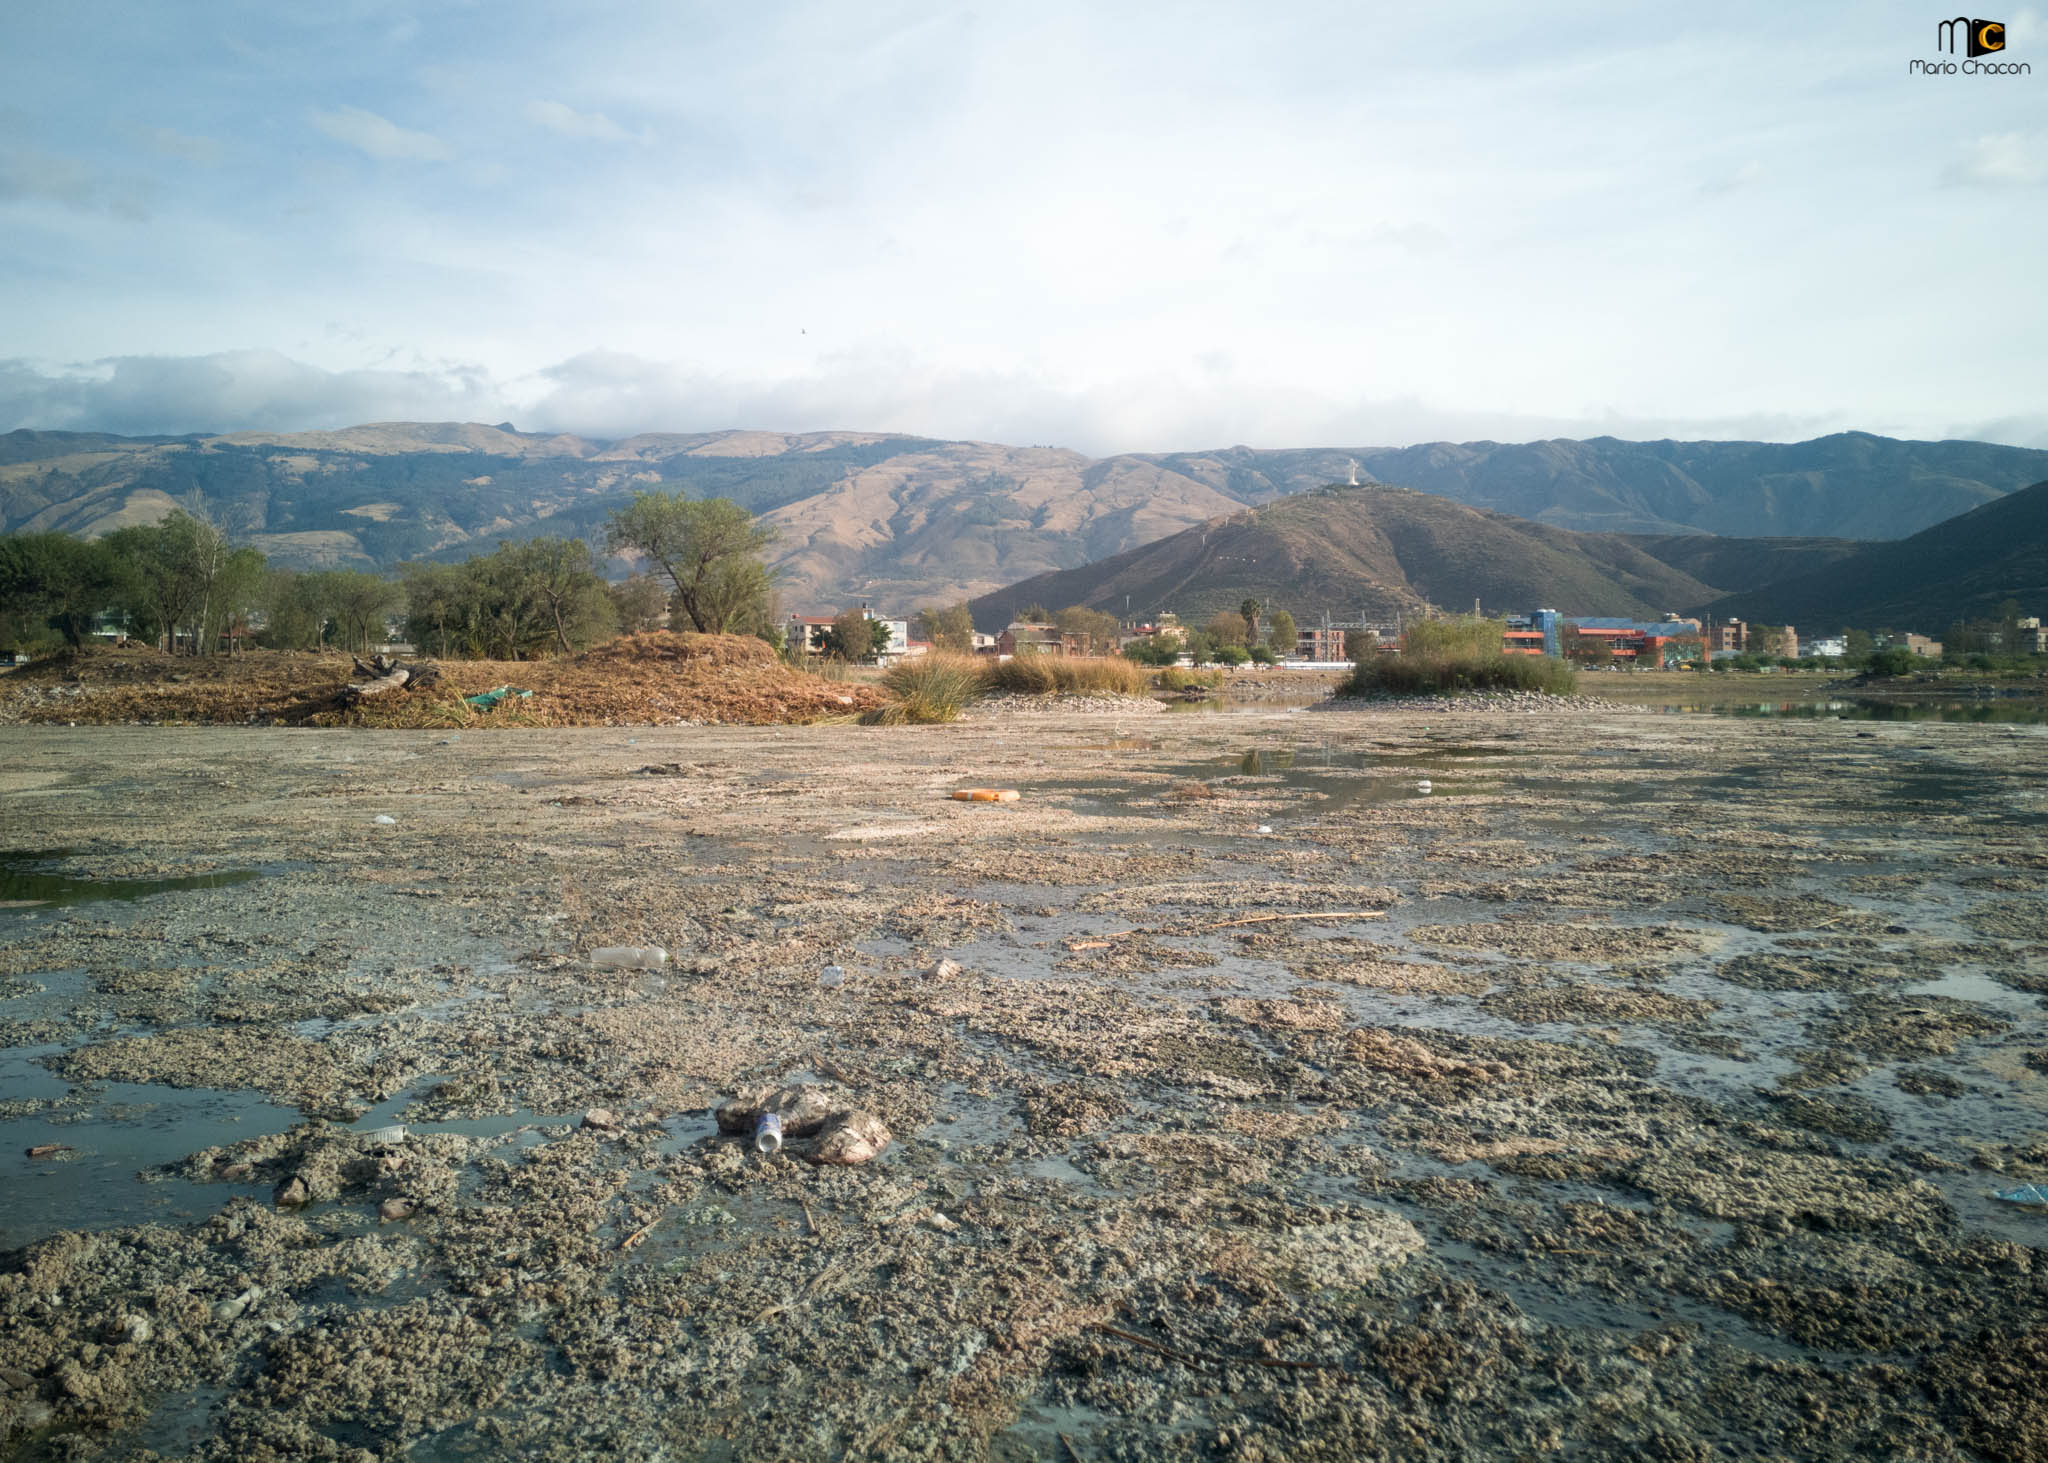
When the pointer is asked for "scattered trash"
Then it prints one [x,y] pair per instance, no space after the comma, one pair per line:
[800,1110]
[602,1120]
[2027,1194]
[1424,786]
[832,977]
[986,795]
[630,957]
[392,1210]
[485,700]
[48,1150]
[393,1134]
[850,1138]
[767,1132]
[1265,828]
[633,1240]
[944,970]
[386,819]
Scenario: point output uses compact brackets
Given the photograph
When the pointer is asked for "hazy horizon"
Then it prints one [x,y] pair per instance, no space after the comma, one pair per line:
[1140,230]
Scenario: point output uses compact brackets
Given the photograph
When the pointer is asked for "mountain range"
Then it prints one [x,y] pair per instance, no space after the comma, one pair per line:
[900,521]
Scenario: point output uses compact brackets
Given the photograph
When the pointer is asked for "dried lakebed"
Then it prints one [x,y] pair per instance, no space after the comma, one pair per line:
[1659,1111]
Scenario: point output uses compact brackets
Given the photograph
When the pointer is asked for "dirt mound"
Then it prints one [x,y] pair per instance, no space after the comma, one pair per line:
[658,679]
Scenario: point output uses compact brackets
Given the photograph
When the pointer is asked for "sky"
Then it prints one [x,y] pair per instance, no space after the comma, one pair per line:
[1129,227]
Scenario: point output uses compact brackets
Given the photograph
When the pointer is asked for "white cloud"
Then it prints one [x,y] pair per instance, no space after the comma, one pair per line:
[558,117]
[2002,160]
[380,137]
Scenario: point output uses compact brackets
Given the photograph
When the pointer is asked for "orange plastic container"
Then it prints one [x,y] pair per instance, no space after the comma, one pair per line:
[986,795]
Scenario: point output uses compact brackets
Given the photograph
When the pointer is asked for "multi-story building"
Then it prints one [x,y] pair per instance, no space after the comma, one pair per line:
[1314,643]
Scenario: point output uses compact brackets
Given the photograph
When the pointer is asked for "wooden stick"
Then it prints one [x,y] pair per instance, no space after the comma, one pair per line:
[632,1241]
[1204,1358]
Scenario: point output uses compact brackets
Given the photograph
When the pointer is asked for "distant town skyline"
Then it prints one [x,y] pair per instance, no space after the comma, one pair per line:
[1136,228]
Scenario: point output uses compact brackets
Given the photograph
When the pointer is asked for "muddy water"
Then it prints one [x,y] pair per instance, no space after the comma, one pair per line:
[1639,1085]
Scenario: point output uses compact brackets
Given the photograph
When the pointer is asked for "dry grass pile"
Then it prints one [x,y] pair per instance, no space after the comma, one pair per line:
[654,679]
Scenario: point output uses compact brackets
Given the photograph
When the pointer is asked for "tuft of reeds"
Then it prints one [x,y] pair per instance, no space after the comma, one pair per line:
[1048,675]
[926,688]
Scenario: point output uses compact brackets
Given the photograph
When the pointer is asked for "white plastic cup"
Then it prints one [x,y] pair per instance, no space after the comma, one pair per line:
[768,1132]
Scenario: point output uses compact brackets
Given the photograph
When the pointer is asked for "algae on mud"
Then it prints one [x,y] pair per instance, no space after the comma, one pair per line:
[1661,1115]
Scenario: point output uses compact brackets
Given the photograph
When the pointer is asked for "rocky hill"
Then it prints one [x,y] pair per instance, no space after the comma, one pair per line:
[1373,552]
[1963,569]
[908,520]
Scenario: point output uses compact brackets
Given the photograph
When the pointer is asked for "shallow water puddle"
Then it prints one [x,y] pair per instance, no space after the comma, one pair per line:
[27,880]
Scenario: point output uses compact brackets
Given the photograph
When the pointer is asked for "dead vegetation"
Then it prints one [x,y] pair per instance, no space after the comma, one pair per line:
[655,679]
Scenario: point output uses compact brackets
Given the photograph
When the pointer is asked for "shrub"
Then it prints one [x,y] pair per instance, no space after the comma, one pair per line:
[1046,675]
[1437,674]
[1173,678]
[926,688]
[1894,660]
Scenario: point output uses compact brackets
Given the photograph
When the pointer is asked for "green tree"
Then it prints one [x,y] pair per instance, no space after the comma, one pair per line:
[950,629]
[54,581]
[293,617]
[1857,646]
[357,603]
[1281,634]
[1249,610]
[1161,650]
[1224,628]
[1034,614]
[711,550]
[638,603]
[855,637]
[1101,629]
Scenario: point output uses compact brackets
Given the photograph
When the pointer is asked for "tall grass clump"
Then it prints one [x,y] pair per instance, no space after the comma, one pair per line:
[1179,678]
[1048,675]
[1453,657]
[926,688]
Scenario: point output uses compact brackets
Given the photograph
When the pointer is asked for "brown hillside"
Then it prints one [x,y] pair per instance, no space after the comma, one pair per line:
[1373,551]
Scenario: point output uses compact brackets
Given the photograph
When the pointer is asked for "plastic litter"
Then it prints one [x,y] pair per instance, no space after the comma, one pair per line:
[768,1132]
[832,976]
[1424,786]
[630,957]
[485,700]
[2027,1194]
[386,819]
[1265,828]
[393,1134]
[986,795]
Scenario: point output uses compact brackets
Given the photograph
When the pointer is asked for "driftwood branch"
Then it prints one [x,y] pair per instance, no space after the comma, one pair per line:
[384,675]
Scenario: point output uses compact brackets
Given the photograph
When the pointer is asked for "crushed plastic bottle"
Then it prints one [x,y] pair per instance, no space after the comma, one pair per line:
[630,957]
[1424,786]
[832,976]
[385,819]
[1265,828]
[768,1132]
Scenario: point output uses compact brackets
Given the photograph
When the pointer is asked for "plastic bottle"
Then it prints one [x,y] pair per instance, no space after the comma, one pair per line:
[630,957]
[767,1132]
[832,976]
